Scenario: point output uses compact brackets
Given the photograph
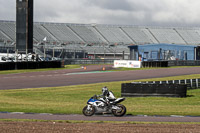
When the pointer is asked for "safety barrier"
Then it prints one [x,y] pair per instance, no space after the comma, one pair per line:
[184,63]
[155,64]
[169,88]
[30,65]
[191,83]
[155,90]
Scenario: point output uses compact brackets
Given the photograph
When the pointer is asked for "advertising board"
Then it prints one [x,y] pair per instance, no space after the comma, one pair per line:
[127,63]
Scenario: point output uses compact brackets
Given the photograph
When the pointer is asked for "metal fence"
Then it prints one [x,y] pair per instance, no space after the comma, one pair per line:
[184,63]
[191,83]
[89,61]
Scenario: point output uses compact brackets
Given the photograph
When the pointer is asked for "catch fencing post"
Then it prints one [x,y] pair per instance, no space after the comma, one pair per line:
[197,84]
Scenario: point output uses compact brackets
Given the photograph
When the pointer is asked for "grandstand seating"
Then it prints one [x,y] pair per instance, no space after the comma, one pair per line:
[102,38]
[190,36]
[104,34]
[8,28]
[169,36]
[40,33]
[114,34]
[137,35]
[62,33]
[3,37]
[86,34]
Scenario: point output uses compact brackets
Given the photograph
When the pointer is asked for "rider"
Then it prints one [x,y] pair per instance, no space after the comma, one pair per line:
[106,95]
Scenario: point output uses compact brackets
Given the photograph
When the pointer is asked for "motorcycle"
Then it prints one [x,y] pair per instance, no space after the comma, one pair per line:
[97,105]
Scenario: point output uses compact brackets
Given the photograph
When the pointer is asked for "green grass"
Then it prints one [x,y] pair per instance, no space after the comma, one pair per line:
[71,100]
[39,70]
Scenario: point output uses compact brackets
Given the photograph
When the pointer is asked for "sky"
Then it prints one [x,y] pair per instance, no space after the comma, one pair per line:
[118,12]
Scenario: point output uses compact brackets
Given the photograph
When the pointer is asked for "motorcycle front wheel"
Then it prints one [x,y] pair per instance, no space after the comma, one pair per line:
[120,112]
[88,110]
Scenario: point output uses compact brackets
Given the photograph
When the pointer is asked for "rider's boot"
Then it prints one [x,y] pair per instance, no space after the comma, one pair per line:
[108,106]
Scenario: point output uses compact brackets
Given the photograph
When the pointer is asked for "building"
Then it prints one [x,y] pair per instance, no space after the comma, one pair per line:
[154,52]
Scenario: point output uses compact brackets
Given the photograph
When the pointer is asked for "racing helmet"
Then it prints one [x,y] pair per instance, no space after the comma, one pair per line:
[105,91]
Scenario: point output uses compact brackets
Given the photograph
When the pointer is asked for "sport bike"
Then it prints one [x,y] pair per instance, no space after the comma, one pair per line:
[97,105]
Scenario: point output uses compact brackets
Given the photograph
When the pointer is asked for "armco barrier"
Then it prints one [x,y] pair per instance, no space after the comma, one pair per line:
[29,65]
[155,90]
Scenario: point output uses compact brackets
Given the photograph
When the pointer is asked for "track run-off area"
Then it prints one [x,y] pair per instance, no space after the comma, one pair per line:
[93,74]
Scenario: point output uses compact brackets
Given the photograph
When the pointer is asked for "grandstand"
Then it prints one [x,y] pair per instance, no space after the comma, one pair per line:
[100,39]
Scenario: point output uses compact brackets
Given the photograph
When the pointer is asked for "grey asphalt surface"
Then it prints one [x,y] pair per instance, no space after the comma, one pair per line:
[100,118]
[91,75]
[81,76]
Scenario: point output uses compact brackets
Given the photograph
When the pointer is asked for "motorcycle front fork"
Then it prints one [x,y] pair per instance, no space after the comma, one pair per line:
[89,107]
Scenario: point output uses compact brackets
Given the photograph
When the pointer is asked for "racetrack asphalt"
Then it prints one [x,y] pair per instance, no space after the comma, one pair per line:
[126,118]
[93,74]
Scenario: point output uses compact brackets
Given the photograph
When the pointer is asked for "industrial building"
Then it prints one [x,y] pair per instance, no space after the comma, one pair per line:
[156,52]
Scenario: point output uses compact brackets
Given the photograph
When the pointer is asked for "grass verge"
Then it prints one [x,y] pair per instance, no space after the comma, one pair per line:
[71,100]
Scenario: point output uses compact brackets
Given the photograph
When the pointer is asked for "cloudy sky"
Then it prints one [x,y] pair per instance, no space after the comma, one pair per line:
[122,12]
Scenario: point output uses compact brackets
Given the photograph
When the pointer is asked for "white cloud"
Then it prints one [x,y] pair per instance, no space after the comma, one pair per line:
[129,12]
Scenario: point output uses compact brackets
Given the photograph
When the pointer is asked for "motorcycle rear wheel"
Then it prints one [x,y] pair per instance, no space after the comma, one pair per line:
[120,113]
[87,112]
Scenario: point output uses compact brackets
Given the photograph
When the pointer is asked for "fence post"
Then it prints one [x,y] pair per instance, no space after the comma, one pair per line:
[197,84]
[191,82]
[185,81]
